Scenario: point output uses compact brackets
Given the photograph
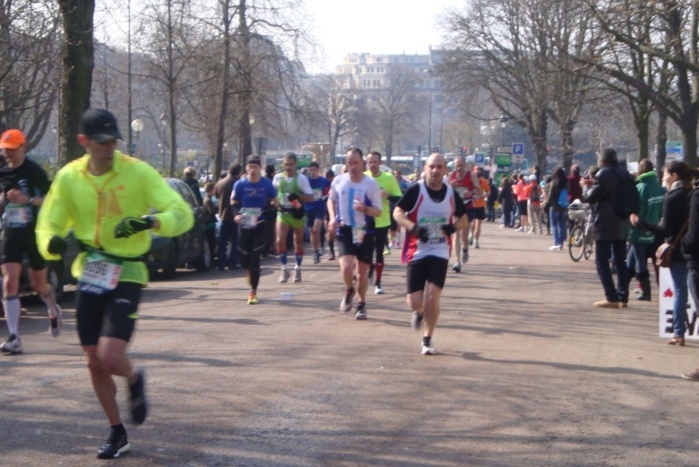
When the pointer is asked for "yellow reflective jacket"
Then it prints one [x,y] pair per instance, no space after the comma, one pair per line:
[93,206]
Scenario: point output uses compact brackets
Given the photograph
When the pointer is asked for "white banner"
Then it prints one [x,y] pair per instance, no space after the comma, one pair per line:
[666,297]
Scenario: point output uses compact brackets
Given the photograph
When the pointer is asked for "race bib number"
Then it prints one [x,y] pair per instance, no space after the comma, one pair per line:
[100,274]
[284,200]
[17,215]
[434,228]
[317,194]
[250,217]
[358,235]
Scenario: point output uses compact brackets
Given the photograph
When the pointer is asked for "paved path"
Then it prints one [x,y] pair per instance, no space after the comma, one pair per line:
[528,373]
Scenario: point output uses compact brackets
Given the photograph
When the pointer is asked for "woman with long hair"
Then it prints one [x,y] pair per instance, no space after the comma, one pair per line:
[506,200]
[677,178]
[558,208]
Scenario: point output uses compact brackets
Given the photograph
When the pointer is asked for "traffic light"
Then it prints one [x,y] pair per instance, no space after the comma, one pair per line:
[419,149]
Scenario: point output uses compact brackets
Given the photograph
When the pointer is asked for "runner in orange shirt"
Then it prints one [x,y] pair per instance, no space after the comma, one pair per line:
[479,205]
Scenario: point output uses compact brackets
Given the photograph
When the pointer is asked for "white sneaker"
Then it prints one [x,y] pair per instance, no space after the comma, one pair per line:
[520,229]
[346,303]
[297,275]
[428,350]
[12,345]
[554,247]
[56,323]
[378,290]
[285,276]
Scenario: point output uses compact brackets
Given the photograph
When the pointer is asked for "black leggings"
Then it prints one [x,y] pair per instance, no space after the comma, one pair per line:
[381,237]
[251,243]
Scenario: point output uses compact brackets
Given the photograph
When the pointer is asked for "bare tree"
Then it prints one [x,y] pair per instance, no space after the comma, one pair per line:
[672,36]
[29,35]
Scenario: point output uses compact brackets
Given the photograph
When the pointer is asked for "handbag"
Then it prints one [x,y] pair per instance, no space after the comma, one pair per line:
[663,255]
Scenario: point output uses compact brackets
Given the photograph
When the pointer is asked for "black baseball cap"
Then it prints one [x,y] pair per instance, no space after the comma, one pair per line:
[99,125]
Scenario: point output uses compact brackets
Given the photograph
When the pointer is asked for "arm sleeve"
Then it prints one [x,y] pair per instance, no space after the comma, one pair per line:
[304,185]
[407,202]
[333,191]
[175,216]
[54,216]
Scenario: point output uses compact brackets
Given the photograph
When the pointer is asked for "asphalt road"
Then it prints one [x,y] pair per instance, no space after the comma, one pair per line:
[528,373]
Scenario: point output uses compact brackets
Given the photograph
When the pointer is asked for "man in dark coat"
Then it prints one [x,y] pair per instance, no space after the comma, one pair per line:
[611,231]
[229,231]
[190,178]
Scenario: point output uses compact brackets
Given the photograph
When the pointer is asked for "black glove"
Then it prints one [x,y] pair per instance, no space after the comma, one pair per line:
[57,245]
[421,233]
[130,225]
[293,197]
[448,229]
[298,213]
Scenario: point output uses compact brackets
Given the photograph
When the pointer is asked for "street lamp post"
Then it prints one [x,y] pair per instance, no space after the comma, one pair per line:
[503,124]
[137,126]
[54,130]
[429,109]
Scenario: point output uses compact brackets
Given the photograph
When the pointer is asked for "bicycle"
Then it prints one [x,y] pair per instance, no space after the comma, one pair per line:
[581,237]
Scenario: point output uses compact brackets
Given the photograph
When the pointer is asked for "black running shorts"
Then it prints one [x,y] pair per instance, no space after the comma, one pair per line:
[363,252]
[112,314]
[19,242]
[479,213]
[428,269]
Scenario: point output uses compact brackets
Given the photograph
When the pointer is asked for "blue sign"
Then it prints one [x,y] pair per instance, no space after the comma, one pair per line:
[479,158]
[517,149]
[673,147]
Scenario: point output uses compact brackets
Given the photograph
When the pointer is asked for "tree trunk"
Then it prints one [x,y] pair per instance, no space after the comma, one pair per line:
[660,144]
[225,89]
[246,96]
[566,131]
[78,63]
[172,84]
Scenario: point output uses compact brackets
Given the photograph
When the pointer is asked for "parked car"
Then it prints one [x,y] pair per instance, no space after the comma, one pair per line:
[188,249]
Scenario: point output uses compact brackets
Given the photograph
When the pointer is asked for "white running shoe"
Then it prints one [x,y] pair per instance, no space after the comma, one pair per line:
[12,345]
[346,303]
[554,247]
[285,276]
[428,350]
[378,290]
[297,275]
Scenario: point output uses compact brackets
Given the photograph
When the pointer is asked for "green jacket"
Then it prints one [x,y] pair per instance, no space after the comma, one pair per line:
[93,206]
[651,206]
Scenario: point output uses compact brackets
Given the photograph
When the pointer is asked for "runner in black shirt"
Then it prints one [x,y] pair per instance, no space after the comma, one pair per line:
[23,185]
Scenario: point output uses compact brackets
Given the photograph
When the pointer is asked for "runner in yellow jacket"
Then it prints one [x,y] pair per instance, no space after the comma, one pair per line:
[106,198]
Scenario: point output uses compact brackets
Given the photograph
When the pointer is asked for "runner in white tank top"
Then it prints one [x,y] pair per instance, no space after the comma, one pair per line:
[430,213]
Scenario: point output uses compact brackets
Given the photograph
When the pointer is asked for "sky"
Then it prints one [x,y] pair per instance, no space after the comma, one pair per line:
[375,27]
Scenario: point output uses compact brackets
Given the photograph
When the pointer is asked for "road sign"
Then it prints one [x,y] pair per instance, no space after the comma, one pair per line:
[517,158]
[479,158]
[503,160]
[518,149]
[673,147]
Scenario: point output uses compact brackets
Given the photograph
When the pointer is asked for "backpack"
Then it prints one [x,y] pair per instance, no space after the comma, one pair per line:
[627,200]
[535,194]
[563,198]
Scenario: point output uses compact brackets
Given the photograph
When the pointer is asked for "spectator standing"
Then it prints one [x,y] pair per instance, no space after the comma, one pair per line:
[228,233]
[557,202]
[690,251]
[650,209]
[506,200]
[677,178]
[534,206]
[574,187]
[190,178]
[209,209]
[611,231]
[490,201]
